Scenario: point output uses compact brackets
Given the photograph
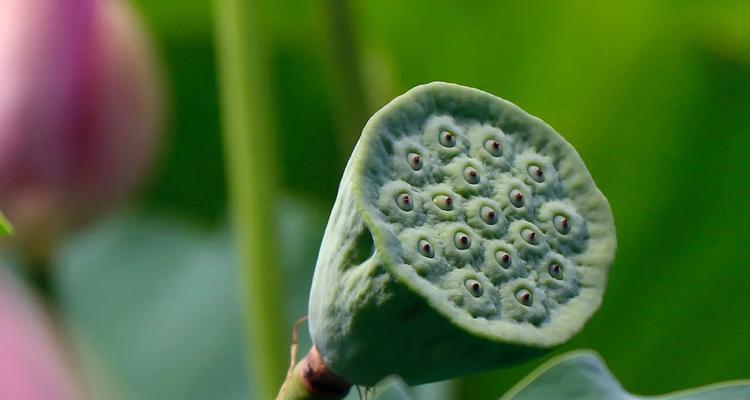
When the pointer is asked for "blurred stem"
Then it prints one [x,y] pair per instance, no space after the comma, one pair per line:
[251,173]
[39,275]
[351,111]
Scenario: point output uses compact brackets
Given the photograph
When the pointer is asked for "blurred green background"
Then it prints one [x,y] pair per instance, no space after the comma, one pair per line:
[655,96]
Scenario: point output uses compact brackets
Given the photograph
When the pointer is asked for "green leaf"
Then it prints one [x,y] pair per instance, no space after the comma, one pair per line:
[394,388]
[154,306]
[391,388]
[582,375]
[5,227]
[154,309]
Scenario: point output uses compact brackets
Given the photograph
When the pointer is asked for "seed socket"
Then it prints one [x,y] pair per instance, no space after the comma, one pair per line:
[462,241]
[503,259]
[471,175]
[555,270]
[493,147]
[524,297]
[562,224]
[447,139]
[443,202]
[405,202]
[474,287]
[536,173]
[488,215]
[529,236]
[425,248]
[516,198]
[415,161]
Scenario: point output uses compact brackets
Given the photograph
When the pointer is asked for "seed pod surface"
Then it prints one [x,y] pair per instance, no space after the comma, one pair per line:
[500,253]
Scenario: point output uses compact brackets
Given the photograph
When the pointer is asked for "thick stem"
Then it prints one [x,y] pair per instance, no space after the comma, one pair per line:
[251,167]
[311,379]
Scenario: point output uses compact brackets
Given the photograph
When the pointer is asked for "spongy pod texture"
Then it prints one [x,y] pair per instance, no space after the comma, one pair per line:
[466,235]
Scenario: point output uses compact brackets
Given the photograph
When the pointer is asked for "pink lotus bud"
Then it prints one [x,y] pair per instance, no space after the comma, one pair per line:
[79,112]
[32,364]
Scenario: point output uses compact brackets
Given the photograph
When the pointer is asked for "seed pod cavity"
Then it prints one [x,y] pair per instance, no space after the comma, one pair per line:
[514,197]
[473,292]
[489,145]
[400,203]
[565,228]
[436,135]
[560,279]
[523,302]
[527,239]
[442,204]
[422,251]
[501,263]
[411,161]
[484,215]
[467,177]
[537,171]
[462,245]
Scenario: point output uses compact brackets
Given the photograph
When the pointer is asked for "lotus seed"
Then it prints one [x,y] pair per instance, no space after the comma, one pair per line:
[425,248]
[443,202]
[493,147]
[462,241]
[404,202]
[516,198]
[562,224]
[523,296]
[529,236]
[555,270]
[415,161]
[489,216]
[503,258]
[474,287]
[447,139]
[536,173]
[471,175]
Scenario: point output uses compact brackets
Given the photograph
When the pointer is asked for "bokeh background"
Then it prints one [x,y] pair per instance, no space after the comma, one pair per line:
[655,96]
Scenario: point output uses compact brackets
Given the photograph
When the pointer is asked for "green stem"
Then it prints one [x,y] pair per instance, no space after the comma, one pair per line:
[351,110]
[251,173]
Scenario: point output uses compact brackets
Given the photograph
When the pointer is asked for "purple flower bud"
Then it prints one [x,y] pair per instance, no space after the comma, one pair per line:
[79,111]
[33,366]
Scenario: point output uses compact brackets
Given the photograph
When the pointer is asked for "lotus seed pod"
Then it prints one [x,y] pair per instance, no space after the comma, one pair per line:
[79,112]
[502,255]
